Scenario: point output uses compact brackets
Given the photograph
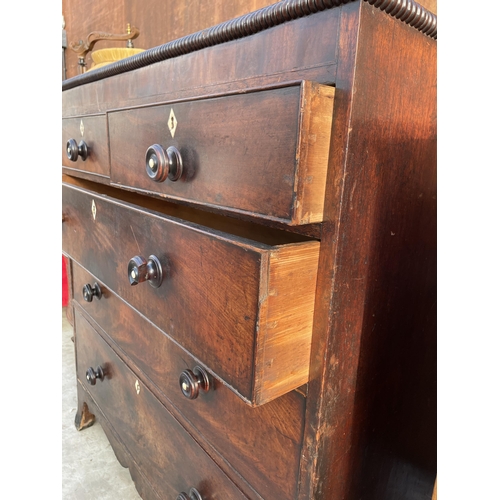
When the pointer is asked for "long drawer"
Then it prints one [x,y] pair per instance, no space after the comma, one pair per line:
[262,152]
[262,444]
[165,453]
[242,307]
[85,145]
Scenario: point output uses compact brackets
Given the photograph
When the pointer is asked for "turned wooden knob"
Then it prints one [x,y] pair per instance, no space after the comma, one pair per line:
[89,292]
[74,150]
[193,495]
[161,163]
[140,269]
[93,375]
[191,382]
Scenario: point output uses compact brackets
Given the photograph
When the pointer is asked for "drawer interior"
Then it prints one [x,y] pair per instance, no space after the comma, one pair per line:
[242,228]
[243,306]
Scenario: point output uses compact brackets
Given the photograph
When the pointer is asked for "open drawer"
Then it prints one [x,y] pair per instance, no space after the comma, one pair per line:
[237,296]
[263,152]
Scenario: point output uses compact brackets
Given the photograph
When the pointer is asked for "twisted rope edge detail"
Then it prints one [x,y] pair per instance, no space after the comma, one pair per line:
[407,11]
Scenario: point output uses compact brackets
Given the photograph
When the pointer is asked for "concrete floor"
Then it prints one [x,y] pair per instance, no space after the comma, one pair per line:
[90,470]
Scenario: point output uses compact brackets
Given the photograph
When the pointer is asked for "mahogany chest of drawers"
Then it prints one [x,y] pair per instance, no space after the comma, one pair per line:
[249,214]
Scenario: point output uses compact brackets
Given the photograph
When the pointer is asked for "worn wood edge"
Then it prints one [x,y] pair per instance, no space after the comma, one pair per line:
[254,89]
[317,463]
[124,456]
[283,343]
[207,206]
[159,204]
[88,176]
[84,418]
[160,394]
[90,115]
[70,314]
[312,230]
[95,134]
[247,238]
[316,427]
[142,485]
[313,148]
[407,11]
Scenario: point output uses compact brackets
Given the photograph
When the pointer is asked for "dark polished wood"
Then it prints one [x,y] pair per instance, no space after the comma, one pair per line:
[145,427]
[69,274]
[378,359]
[91,131]
[365,419]
[242,306]
[262,152]
[407,11]
[228,67]
[218,415]
[122,454]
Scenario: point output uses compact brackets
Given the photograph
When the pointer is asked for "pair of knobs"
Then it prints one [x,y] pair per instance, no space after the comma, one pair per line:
[191,382]
[160,163]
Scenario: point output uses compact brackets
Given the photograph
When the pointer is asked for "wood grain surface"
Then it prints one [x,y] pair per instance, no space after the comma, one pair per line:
[262,152]
[229,67]
[216,290]
[93,130]
[369,429]
[218,416]
[372,390]
[177,19]
[167,456]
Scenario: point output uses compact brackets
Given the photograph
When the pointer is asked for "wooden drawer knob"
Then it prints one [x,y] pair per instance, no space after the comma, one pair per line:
[193,495]
[94,375]
[192,381]
[74,150]
[161,163]
[89,292]
[140,269]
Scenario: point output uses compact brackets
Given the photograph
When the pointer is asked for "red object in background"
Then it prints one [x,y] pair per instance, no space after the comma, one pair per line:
[65,294]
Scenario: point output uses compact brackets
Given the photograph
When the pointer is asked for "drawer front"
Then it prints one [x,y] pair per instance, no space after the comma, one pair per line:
[164,452]
[264,153]
[92,130]
[262,444]
[243,308]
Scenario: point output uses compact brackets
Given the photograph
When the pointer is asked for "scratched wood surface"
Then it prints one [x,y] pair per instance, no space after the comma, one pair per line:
[233,66]
[277,369]
[370,407]
[88,411]
[217,416]
[169,459]
[264,153]
[376,362]
[215,288]
[93,130]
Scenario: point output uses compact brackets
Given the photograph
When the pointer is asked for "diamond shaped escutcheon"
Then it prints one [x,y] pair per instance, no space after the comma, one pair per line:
[172,122]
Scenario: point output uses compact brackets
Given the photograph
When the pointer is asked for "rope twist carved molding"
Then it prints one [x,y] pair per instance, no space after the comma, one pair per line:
[407,11]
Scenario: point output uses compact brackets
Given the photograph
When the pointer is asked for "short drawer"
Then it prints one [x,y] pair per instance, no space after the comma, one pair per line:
[164,452]
[241,306]
[262,444]
[263,152]
[85,144]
